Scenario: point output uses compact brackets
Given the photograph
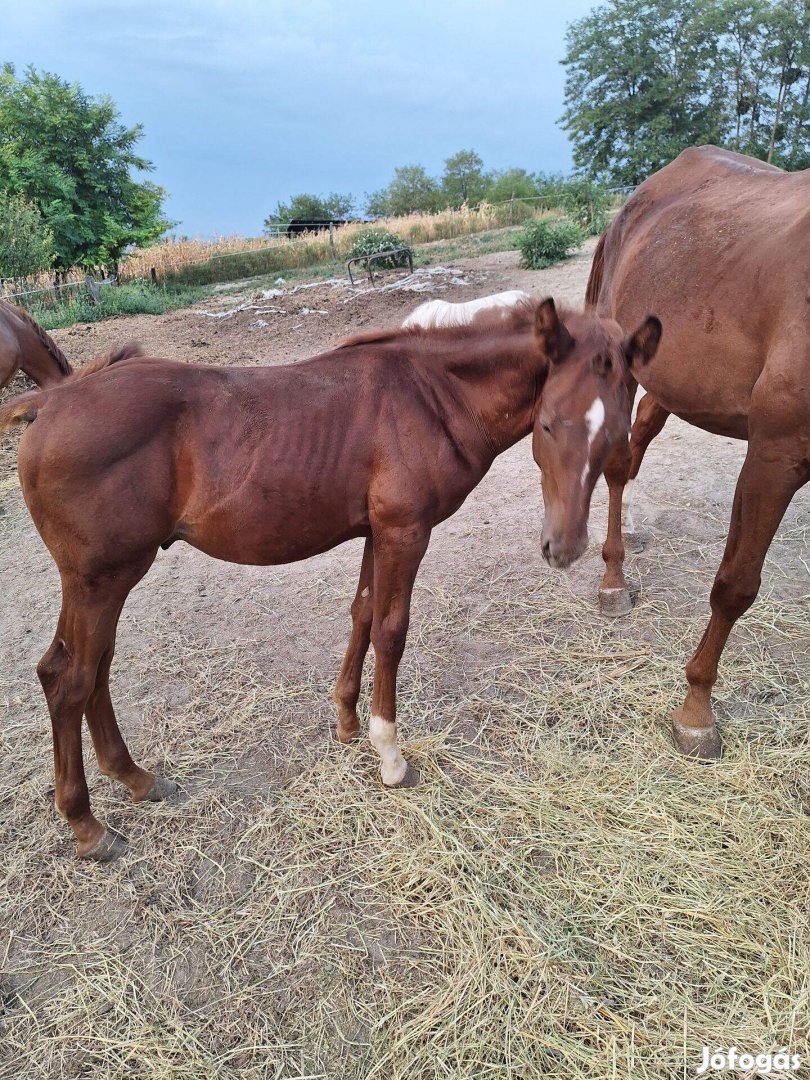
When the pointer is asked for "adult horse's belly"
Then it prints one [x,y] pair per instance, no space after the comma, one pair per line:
[708,362]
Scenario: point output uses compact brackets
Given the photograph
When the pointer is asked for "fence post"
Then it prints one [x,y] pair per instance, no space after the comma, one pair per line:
[93,290]
[512,209]
[332,240]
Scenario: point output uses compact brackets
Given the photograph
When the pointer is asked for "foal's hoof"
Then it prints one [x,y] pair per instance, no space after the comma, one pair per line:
[615,602]
[702,743]
[109,848]
[347,735]
[410,779]
[161,789]
[634,543]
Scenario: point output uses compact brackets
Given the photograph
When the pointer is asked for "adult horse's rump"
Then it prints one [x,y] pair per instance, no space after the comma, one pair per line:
[382,438]
[719,245]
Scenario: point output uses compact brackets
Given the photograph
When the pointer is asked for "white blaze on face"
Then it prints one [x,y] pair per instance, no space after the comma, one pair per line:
[383,736]
[594,422]
[437,313]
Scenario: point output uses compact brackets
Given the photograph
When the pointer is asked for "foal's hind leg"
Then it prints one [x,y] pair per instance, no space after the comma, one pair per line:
[770,477]
[113,757]
[347,688]
[69,672]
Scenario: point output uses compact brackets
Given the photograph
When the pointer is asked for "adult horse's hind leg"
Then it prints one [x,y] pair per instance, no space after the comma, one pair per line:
[771,475]
[397,555]
[69,673]
[347,688]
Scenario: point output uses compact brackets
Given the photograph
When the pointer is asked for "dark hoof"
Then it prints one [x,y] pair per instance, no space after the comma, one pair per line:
[702,743]
[410,779]
[347,735]
[109,848]
[615,602]
[161,789]
[634,543]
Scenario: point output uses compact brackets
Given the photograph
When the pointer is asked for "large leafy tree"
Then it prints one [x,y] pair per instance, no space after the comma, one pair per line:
[410,190]
[70,155]
[464,180]
[311,208]
[646,79]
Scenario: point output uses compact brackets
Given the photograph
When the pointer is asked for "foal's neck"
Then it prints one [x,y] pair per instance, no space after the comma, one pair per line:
[501,386]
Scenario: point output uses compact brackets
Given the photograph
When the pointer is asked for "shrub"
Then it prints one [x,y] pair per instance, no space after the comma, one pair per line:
[543,243]
[372,241]
[134,298]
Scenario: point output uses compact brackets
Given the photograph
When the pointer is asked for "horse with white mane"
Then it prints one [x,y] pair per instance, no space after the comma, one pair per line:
[436,313]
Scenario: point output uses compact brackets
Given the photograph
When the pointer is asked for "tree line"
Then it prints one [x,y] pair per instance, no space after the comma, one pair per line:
[68,196]
[645,80]
[413,190]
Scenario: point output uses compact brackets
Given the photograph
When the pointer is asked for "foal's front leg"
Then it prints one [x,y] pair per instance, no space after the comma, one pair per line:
[397,555]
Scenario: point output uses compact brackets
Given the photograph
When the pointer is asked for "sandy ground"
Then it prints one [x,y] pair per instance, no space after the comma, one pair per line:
[193,624]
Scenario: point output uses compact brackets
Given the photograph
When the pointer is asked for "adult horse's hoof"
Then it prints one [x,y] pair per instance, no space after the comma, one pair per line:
[615,602]
[161,789]
[109,848]
[634,543]
[410,779]
[702,743]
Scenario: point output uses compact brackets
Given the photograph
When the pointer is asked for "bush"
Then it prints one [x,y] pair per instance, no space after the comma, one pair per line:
[543,243]
[373,241]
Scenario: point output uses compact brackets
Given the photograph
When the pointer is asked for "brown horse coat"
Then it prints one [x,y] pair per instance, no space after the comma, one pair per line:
[25,346]
[382,438]
[719,246]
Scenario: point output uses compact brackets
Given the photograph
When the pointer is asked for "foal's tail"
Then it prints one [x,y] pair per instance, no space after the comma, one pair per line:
[597,271]
[24,408]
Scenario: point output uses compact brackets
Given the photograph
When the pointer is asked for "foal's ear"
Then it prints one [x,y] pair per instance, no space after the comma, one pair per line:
[642,346]
[554,340]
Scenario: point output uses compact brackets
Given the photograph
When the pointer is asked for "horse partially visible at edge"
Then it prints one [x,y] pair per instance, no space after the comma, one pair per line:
[24,346]
[719,245]
[381,438]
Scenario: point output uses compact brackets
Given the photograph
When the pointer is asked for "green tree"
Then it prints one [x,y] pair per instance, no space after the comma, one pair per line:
[646,79]
[501,186]
[411,190]
[26,242]
[464,180]
[71,155]
[311,208]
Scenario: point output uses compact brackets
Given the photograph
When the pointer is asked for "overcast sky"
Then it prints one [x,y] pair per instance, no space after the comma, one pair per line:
[246,102]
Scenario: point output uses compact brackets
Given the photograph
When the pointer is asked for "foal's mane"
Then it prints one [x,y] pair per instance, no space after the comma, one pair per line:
[50,345]
[504,320]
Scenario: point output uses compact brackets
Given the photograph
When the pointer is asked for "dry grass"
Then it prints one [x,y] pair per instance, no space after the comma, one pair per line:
[563,897]
[173,257]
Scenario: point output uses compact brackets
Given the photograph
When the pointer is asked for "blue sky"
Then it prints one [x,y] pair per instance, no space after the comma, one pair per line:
[247,102]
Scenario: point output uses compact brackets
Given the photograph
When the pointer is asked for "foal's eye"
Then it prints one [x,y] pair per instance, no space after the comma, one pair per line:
[545,427]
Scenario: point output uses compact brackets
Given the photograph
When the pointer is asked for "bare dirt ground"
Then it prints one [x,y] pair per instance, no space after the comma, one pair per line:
[563,896]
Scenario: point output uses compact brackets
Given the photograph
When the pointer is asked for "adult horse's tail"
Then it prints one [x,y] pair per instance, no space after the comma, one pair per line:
[597,271]
[24,408]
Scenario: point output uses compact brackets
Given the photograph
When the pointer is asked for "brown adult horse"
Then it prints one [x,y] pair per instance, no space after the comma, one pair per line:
[25,346]
[382,438]
[719,245]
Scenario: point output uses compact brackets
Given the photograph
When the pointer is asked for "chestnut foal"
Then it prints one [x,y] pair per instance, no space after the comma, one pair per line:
[382,438]
[25,346]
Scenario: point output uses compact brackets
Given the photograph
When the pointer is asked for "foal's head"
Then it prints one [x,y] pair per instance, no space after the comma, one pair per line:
[583,415]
